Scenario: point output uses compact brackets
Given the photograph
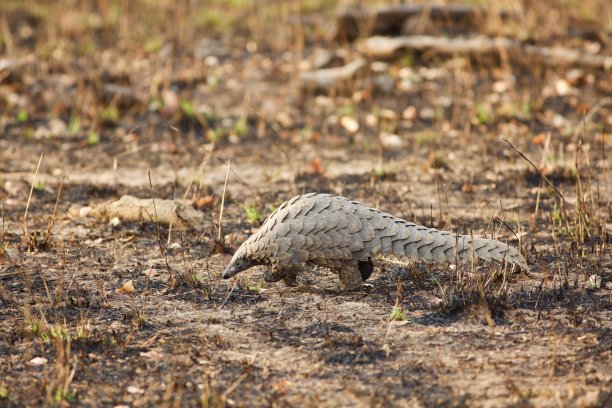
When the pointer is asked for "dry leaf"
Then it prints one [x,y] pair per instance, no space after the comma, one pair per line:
[280,386]
[316,167]
[150,273]
[152,354]
[205,202]
[128,288]
[539,139]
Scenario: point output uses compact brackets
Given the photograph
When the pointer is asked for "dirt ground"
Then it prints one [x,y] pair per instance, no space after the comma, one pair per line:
[101,99]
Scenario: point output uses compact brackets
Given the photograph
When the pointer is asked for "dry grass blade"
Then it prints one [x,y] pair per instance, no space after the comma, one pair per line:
[550,183]
[26,234]
[159,242]
[229,166]
[47,238]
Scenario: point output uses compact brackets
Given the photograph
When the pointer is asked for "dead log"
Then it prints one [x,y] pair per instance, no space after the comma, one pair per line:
[327,78]
[351,23]
[178,213]
[387,47]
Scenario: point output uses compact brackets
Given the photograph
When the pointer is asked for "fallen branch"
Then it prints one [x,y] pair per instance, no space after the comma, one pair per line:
[388,20]
[330,77]
[179,213]
[386,47]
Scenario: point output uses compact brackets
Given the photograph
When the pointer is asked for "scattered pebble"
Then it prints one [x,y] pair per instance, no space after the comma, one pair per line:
[57,127]
[284,119]
[594,282]
[409,113]
[427,113]
[562,87]
[388,114]
[38,361]
[371,120]
[134,390]
[349,123]
[391,141]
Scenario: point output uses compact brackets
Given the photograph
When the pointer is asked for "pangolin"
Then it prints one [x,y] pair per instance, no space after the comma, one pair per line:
[344,236]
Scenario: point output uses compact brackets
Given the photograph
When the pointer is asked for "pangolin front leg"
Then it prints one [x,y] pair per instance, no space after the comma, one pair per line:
[286,274]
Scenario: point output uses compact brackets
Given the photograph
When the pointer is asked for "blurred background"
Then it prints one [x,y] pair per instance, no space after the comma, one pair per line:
[97,78]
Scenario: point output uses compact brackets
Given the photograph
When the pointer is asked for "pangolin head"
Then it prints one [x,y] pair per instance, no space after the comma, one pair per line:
[240,262]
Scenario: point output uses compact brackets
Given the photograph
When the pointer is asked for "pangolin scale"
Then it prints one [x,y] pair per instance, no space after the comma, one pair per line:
[344,236]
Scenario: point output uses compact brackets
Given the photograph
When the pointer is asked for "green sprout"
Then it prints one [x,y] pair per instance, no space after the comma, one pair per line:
[253,214]
[397,314]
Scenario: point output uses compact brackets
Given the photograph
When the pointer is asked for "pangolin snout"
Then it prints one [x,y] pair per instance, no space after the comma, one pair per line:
[236,266]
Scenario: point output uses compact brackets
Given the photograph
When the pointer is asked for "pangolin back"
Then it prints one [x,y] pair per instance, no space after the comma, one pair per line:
[340,234]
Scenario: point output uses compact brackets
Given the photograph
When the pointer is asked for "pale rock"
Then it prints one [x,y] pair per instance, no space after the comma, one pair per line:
[391,141]
[371,120]
[427,113]
[409,113]
[349,123]
[563,88]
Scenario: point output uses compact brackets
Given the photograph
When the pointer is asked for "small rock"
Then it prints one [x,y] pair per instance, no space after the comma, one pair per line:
[324,102]
[16,188]
[406,85]
[57,127]
[284,119]
[563,87]
[388,114]
[409,113]
[371,120]
[391,141]
[116,325]
[38,361]
[84,211]
[378,66]
[406,72]
[171,102]
[559,121]
[500,86]
[443,101]
[427,113]
[349,123]
[594,282]
[134,390]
